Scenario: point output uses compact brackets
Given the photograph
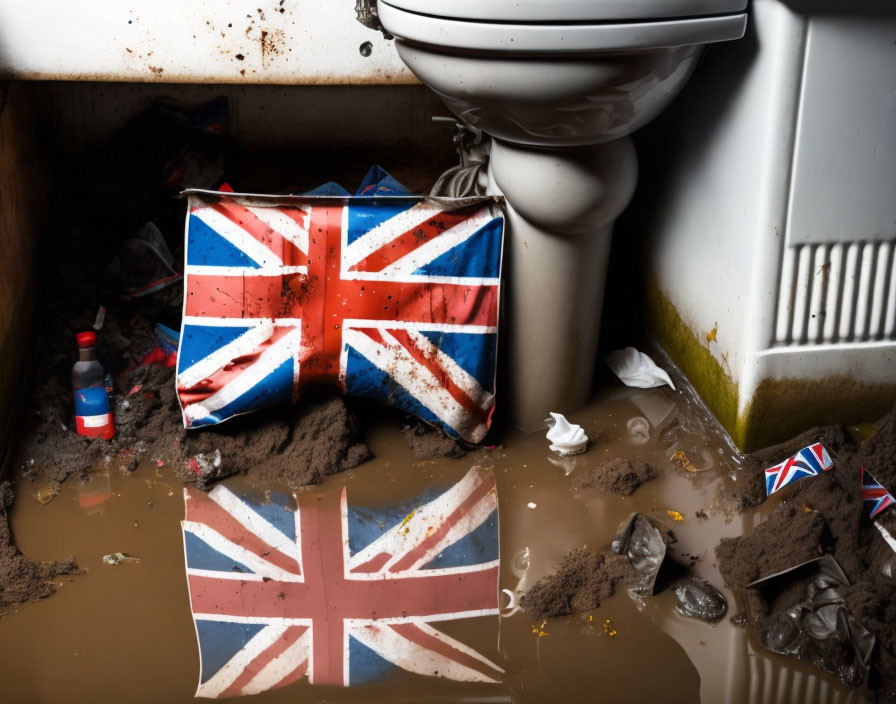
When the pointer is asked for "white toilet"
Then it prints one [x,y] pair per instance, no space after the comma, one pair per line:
[558,84]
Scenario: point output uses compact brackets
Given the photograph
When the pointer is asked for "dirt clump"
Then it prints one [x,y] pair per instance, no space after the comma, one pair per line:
[20,578]
[825,514]
[582,581]
[428,443]
[618,476]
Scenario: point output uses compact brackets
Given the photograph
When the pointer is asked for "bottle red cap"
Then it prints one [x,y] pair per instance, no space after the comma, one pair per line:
[86,339]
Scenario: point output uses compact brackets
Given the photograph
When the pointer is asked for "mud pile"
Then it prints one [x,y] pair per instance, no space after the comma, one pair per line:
[824,515]
[20,578]
[582,581]
[618,476]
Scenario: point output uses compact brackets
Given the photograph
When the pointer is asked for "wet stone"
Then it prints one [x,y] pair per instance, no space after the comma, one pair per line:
[699,599]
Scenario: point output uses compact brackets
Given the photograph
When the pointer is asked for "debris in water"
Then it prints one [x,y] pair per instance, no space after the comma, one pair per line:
[47,494]
[366,49]
[566,438]
[538,629]
[118,558]
[700,599]
[675,515]
[683,461]
[635,368]
[644,541]
[608,628]
[638,430]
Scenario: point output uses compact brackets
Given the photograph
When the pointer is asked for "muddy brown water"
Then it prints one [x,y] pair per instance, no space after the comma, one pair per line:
[125,633]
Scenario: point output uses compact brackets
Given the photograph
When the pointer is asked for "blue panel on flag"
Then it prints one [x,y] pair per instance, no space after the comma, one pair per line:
[201,556]
[205,247]
[279,513]
[362,218]
[220,641]
[197,340]
[475,353]
[480,255]
[365,666]
[367,524]
[364,379]
[275,388]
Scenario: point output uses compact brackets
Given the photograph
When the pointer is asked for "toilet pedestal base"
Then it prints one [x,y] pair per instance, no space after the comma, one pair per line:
[561,205]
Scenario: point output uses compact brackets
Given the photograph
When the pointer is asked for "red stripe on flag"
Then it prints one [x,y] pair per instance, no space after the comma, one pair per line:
[432,364]
[428,641]
[374,564]
[201,509]
[406,242]
[290,636]
[279,245]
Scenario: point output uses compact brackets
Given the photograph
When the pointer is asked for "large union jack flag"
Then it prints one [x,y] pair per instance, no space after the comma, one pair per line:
[875,494]
[808,462]
[391,298]
[341,594]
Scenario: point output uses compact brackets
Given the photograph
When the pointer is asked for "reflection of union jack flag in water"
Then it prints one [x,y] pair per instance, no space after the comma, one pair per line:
[342,594]
[390,298]
[807,462]
[872,491]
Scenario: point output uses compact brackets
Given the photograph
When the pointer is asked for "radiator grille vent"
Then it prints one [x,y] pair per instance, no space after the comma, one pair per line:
[837,293]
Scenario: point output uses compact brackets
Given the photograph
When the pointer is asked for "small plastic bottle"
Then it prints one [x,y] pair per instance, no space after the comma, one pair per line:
[93,417]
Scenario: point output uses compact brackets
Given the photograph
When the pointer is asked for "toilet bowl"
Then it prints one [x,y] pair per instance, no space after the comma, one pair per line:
[559,86]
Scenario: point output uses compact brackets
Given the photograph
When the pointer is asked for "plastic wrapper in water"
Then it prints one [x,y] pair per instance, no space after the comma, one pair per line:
[699,599]
[635,368]
[819,628]
[644,541]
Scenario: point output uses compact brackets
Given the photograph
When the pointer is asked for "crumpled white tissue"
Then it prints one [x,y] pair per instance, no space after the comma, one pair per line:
[566,438]
[635,368]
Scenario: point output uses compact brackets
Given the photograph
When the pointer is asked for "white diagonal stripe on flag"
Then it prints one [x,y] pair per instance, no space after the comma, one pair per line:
[384,641]
[398,363]
[224,677]
[461,378]
[228,501]
[285,225]
[387,231]
[283,349]
[281,666]
[238,553]
[248,342]
[437,246]
[400,540]
[238,237]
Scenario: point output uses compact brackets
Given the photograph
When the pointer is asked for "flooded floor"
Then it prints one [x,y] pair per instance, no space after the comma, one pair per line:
[125,633]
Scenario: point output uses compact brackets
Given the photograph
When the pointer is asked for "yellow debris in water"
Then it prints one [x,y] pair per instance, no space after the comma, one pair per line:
[608,628]
[711,335]
[806,508]
[675,515]
[683,461]
[406,520]
[539,629]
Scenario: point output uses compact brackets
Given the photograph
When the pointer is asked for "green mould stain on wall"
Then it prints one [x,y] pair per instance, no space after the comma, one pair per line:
[780,408]
[693,357]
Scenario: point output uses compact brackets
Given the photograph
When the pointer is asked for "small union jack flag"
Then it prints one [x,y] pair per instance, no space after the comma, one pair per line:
[807,462]
[339,593]
[392,298]
[872,491]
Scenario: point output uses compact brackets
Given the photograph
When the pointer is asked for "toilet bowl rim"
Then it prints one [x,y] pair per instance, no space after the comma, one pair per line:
[559,38]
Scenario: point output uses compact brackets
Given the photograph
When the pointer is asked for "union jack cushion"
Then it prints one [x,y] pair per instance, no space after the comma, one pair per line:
[393,298]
